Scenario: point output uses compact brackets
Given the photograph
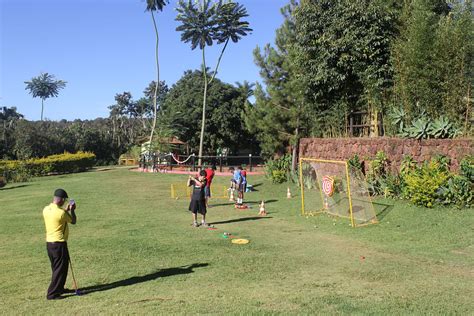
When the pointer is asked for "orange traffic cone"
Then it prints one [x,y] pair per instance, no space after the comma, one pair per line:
[288,193]
[262,211]
[231,198]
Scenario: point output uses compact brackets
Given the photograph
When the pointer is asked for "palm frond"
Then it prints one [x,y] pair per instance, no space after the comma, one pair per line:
[156,5]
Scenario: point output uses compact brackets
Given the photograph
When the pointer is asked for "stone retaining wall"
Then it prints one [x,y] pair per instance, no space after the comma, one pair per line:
[394,148]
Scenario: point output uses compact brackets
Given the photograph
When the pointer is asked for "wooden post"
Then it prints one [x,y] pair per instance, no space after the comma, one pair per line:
[351,124]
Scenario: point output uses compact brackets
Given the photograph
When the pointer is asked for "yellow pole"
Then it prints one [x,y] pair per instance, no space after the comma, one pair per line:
[324,160]
[349,193]
[302,187]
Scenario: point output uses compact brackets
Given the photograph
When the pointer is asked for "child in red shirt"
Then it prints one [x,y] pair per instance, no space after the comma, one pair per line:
[210,172]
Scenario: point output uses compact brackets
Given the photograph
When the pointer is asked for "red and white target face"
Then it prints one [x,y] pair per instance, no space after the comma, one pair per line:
[328,185]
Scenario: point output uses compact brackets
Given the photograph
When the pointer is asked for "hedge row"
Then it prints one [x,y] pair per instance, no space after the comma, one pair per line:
[21,170]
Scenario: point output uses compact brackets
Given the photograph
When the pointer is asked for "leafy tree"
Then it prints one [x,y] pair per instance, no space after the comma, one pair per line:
[182,112]
[453,59]
[344,58]
[118,112]
[8,119]
[40,138]
[154,97]
[279,115]
[204,22]
[246,89]
[151,6]
[44,86]
[415,83]
[433,60]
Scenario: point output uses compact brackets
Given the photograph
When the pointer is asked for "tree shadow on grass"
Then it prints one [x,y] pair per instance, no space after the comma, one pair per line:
[15,187]
[242,219]
[144,278]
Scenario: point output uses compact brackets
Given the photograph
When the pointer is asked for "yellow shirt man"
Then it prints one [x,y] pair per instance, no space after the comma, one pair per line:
[56,220]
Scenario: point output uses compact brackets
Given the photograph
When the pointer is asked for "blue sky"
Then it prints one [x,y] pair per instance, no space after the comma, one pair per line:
[104,47]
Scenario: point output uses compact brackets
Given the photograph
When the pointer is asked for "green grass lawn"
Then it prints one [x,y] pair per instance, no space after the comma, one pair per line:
[133,248]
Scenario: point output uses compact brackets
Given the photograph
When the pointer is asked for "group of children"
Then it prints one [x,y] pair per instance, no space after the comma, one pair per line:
[202,191]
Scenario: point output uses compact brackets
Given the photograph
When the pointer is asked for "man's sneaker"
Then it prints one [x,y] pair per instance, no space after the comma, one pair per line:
[204,224]
[195,224]
[68,291]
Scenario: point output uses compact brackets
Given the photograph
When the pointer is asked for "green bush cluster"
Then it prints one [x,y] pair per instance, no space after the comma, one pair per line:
[22,170]
[278,169]
[423,184]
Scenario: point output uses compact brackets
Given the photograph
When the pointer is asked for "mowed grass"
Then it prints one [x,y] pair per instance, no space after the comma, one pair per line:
[135,252]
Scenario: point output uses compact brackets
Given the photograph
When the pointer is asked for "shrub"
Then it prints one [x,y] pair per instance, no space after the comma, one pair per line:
[391,186]
[467,168]
[355,164]
[20,171]
[377,173]
[277,169]
[278,176]
[407,165]
[423,183]
[459,190]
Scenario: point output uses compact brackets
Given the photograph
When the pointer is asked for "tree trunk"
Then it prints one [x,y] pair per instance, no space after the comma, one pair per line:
[373,120]
[203,122]
[42,107]
[468,113]
[157,81]
[5,134]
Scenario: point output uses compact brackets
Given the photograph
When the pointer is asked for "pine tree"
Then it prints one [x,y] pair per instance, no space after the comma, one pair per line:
[279,115]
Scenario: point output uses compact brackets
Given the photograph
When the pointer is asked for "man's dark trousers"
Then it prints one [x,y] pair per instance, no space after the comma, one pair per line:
[59,257]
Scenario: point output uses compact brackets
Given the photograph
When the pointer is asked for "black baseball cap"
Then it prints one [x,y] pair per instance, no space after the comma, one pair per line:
[60,193]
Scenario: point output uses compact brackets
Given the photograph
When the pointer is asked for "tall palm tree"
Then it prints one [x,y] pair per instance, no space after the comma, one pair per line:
[204,22]
[44,86]
[246,89]
[151,6]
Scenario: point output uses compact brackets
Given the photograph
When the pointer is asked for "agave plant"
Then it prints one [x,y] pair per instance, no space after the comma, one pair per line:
[443,128]
[420,129]
[397,116]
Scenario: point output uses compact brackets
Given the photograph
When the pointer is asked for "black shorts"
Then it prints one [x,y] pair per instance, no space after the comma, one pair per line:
[198,206]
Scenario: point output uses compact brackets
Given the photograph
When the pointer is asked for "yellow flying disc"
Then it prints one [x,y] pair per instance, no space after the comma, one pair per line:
[240,241]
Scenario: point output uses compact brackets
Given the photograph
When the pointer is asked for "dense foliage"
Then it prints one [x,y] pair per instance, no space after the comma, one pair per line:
[407,62]
[224,129]
[21,170]
[204,23]
[279,116]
